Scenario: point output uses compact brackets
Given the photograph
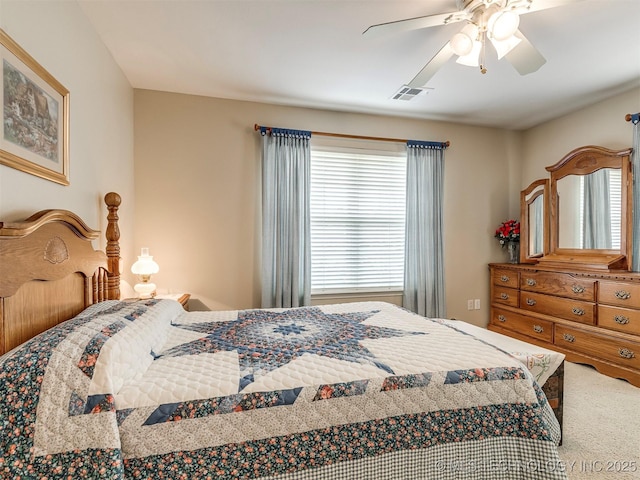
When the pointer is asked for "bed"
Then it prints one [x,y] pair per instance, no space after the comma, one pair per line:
[95,387]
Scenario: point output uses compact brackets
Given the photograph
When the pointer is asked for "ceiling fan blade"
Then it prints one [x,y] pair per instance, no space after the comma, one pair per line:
[537,5]
[416,23]
[430,69]
[525,58]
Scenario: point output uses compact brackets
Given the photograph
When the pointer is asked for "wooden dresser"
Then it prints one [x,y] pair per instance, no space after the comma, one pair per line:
[592,317]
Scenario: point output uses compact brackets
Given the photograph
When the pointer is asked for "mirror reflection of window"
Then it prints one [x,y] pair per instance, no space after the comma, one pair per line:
[536,229]
[615,198]
[590,208]
[596,210]
[569,212]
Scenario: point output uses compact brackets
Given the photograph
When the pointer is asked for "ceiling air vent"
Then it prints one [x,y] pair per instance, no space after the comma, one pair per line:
[408,93]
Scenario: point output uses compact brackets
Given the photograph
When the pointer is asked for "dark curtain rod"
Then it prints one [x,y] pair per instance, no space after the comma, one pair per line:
[257,127]
[630,117]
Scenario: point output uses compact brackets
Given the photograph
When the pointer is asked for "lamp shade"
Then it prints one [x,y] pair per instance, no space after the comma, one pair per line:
[145,264]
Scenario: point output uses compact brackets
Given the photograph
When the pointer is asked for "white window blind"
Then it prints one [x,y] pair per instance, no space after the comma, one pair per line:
[615,195]
[615,204]
[357,221]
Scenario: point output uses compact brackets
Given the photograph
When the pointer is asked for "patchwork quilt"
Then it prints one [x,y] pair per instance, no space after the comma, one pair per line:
[353,391]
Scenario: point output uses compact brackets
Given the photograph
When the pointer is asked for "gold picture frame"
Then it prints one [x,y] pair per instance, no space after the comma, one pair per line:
[35,116]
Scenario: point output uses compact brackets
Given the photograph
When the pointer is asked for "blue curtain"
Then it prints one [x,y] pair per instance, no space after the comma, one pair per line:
[635,162]
[424,281]
[596,228]
[286,252]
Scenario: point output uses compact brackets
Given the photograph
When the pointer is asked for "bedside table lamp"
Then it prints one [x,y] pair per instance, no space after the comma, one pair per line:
[144,268]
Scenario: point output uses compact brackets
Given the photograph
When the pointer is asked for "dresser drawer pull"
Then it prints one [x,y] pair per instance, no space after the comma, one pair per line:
[626,353]
[531,302]
[577,311]
[531,282]
[621,319]
[504,278]
[568,337]
[502,318]
[577,289]
[504,296]
[538,329]
[622,295]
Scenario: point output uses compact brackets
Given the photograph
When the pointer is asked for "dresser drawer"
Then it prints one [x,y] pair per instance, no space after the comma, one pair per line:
[622,319]
[505,296]
[560,284]
[505,278]
[619,293]
[567,308]
[622,352]
[529,326]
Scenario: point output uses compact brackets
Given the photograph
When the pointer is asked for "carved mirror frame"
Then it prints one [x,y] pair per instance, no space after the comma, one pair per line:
[583,161]
[538,189]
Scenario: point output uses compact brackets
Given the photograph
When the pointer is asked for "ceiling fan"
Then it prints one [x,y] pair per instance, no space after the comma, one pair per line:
[496,20]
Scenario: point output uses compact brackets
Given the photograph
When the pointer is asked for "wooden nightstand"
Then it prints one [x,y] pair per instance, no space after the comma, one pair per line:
[182,298]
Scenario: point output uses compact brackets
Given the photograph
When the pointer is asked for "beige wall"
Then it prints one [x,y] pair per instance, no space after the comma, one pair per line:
[197,174]
[600,124]
[60,38]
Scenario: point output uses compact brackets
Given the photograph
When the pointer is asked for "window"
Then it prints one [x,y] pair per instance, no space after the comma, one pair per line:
[357,220]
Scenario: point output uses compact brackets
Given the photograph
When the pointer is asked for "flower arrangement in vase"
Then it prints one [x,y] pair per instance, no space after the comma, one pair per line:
[508,234]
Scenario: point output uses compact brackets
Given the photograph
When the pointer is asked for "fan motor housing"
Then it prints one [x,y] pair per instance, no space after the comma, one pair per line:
[472,5]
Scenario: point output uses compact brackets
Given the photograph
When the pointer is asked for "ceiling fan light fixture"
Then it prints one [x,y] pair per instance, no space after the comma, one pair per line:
[503,24]
[505,46]
[472,59]
[461,44]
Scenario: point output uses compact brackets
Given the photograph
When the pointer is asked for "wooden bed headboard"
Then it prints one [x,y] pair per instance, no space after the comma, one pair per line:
[49,271]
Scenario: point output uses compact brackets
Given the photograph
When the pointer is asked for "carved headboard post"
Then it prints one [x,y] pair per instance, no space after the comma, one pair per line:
[113,201]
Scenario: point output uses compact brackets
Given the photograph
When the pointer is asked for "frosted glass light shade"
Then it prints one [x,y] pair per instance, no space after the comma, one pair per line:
[473,58]
[502,25]
[462,42]
[145,264]
[144,268]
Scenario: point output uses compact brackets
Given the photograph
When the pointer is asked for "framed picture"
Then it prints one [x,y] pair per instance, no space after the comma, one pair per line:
[35,116]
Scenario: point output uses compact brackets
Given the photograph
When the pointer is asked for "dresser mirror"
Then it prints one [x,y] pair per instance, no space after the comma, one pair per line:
[534,238]
[588,211]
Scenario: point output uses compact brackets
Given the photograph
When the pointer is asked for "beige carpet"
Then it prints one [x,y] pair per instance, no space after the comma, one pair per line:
[601,437]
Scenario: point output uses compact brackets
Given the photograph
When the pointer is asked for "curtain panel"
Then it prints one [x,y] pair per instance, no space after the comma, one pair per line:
[424,280]
[286,238]
[635,162]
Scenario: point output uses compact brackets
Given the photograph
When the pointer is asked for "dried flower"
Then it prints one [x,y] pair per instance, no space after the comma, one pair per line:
[508,231]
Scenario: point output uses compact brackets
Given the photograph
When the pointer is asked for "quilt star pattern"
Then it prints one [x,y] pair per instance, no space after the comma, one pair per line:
[265,340]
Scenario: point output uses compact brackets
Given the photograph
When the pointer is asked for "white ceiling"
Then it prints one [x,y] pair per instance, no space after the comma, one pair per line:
[312,53]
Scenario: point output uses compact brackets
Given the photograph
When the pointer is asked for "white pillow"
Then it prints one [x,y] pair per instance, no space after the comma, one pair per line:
[127,354]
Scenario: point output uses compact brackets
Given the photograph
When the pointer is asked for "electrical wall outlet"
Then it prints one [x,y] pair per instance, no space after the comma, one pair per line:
[476,304]
[469,304]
